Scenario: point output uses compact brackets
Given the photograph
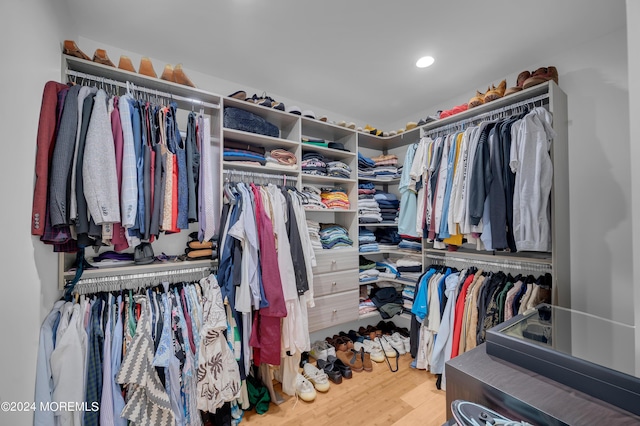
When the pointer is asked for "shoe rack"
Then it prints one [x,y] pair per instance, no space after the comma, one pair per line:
[336,273]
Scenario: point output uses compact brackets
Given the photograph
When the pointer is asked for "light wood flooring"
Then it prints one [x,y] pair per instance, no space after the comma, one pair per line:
[407,397]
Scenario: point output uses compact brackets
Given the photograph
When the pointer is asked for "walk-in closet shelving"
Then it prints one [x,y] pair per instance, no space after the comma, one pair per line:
[557,261]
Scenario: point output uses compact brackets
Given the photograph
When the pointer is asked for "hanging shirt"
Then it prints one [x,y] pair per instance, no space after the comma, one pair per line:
[129,188]
[408,212]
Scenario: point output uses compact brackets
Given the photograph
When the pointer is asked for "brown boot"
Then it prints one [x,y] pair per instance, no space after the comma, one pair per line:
[146,68]
[495,92]
[478,99]
[70,48]
[541,75]
[126,64]
[100,56]
[519,82]
[350,358]
[180,77]
[168,73]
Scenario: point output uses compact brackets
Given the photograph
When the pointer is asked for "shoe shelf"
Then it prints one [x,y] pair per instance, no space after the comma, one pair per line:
[193,96]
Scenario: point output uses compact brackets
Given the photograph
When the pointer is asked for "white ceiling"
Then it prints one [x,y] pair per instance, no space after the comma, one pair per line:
[352,57]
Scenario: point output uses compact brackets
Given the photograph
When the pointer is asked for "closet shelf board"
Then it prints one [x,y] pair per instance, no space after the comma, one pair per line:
[329,132]
[369,315]
[140,269]
[378,225]
[397,252]
[527,257]
[392,280]
[330,210]
[325,179]
[380,181]
[112,73]
[259,140]
[279,118]
[329,153]
[238,165]
[345,250]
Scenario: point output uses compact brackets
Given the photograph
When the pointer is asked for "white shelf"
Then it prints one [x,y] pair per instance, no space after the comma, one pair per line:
[398,252]
[378,225]
[369,315]
[330,210]
[325,179]
[329,153]
[393,280]
[140,269]
[239,165]
[393,181]
[258,140]
[279,118]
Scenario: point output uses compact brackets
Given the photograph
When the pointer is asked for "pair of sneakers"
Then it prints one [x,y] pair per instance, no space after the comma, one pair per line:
[372,348]
[394,343]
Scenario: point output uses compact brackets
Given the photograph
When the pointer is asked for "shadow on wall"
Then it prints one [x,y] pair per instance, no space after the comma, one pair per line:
[599,171]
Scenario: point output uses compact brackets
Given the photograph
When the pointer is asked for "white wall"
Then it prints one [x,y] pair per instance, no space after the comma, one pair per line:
[594,77]
[32,31]
[633,45]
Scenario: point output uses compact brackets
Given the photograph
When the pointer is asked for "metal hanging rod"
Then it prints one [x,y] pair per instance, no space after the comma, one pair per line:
[243,174]
[476,118]
[142,280]
[132,87]
[519,264]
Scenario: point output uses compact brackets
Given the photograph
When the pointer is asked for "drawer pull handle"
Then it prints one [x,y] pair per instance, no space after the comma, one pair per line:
[335,311]
[334,283]
[333,262]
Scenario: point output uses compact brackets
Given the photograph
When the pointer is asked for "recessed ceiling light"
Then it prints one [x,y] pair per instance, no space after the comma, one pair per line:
[425,61]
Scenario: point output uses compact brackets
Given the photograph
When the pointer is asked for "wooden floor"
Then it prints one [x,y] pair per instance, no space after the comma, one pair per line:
[407,397]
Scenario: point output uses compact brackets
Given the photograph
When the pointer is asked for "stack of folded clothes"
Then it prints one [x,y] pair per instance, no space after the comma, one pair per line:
[387,238]
[308,140]
[387,269]
[414,245]
[366,305]
[243,152]
[335,198]
[388,204]
[408,294]
[334,236]
[281,159]
[338,169]
[314,234]
[368,271]
[365,167]
[311,198]
[409,269]
[368,208]
[388,300]
[386,166]
[367,241]
[313,163]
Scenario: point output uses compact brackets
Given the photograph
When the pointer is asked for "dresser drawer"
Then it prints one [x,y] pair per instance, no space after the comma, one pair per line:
[334,309]
[335,282]
[335,260]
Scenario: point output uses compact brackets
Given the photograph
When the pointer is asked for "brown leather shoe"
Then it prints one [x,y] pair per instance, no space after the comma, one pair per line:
[70,48]
[100,56]
[146,68]
[541,75]
[168,74]
[519,82]
[350,358]
[180,77]
[495,92]
[478,99]
[126,64]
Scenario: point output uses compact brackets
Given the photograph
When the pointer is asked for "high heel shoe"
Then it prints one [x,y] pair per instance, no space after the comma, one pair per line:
[126,64]
[146,68]
[70,48]
[100,57]
[180,77]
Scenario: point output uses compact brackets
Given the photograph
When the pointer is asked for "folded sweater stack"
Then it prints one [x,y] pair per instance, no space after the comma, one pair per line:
[334,236]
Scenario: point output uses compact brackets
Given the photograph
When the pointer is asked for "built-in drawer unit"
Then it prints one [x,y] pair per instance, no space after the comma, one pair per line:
[335,282]
[334,261]
[333,309]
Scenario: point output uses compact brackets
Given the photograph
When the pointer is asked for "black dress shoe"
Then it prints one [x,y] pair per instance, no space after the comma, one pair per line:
[331,370]
[344,369]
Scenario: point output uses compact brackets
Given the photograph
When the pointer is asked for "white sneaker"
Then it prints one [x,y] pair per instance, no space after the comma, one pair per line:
[304,389]
[385,344]
[396,343]
[405,340]
[318,351]
[374,349]
[317,377]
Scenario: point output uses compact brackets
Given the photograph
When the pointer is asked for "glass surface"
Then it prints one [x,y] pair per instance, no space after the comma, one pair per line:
[588,337]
